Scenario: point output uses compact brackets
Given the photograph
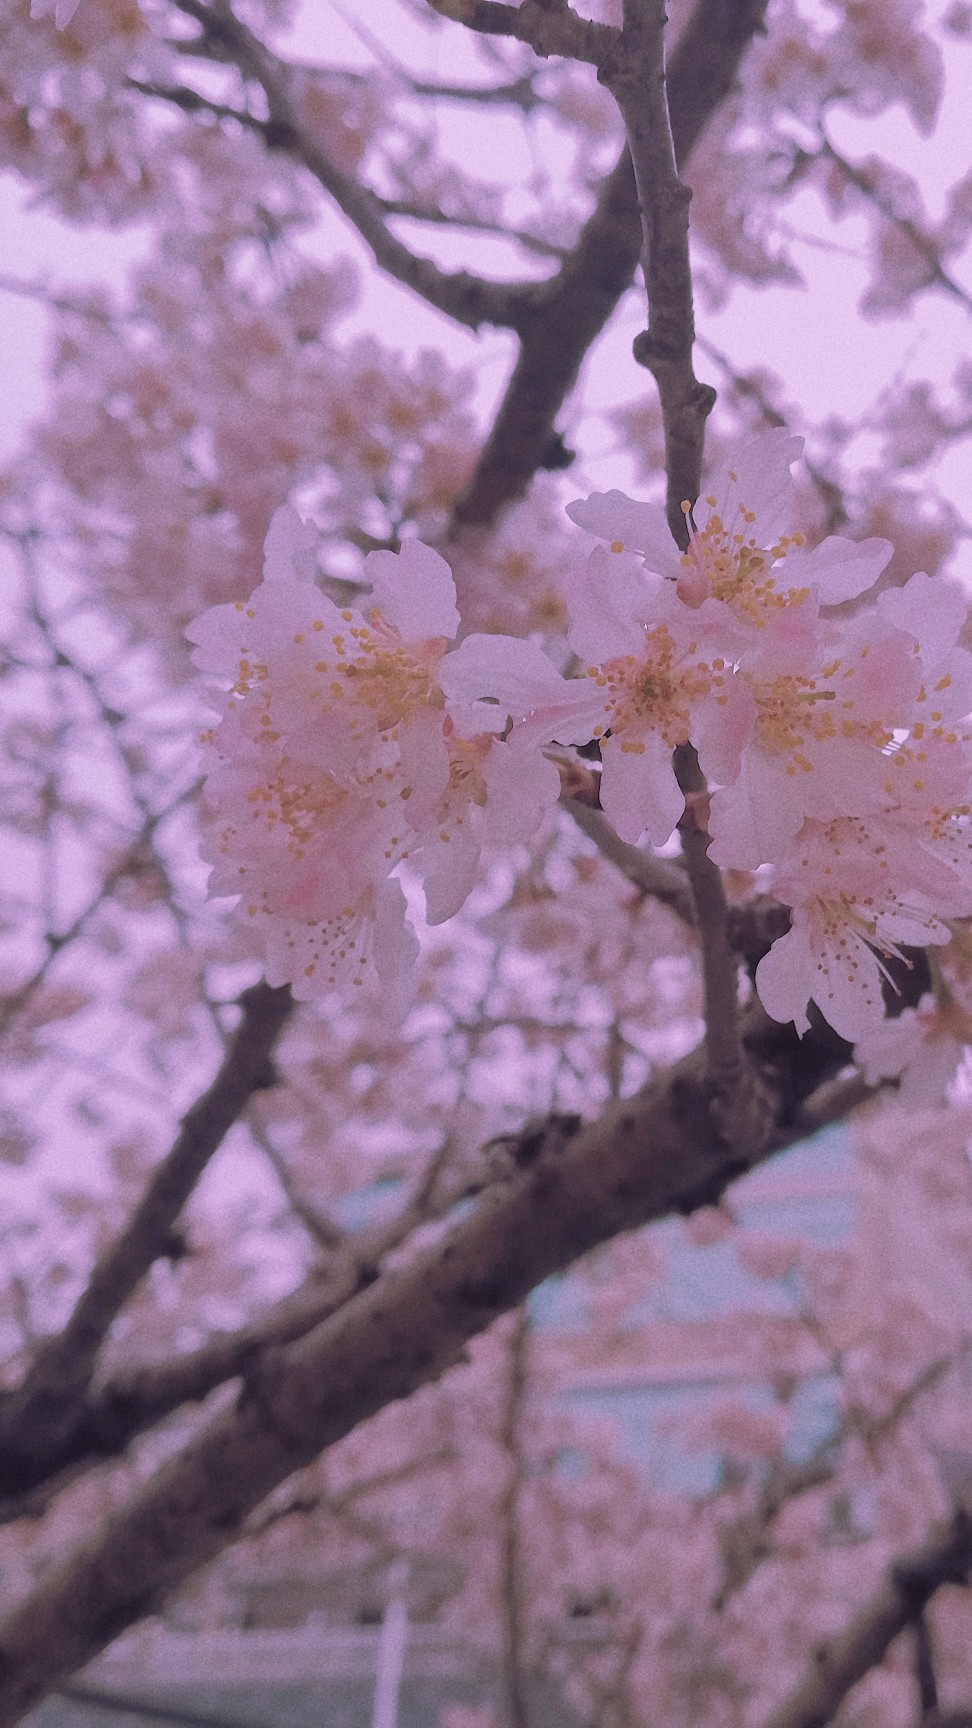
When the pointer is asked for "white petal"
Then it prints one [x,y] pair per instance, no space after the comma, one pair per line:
[610,601]
[522,787]
[759,480]
[932,609]
[635,526]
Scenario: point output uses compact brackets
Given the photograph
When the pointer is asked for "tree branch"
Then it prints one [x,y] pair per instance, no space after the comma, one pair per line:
[573,1187]
[665,348]
[105,1418]
[656,877]
[910,1584]
[557,320]
[752,927]
[737,1102]
[925,247]
[35,1418]
[470,300]
[546,29]
[577,302]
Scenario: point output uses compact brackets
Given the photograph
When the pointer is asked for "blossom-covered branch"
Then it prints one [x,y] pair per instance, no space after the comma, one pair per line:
[912,1581]
[574,1186]
[470,299]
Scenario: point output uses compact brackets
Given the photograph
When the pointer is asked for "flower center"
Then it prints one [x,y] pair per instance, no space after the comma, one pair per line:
[730,565]
[654,691]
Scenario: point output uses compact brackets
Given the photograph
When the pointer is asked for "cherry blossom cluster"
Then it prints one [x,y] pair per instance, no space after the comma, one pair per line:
[834,741]
[350,747]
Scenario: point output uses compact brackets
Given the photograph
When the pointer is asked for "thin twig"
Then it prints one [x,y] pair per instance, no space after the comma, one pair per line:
[512,1592]
[657,878]
[638,84]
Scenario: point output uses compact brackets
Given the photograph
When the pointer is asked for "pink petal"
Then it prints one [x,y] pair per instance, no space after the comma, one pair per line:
[838,569]
[515,674]
[783,980]
[635,526]
[414,590]
[639,791]
[290,548]
[610,601]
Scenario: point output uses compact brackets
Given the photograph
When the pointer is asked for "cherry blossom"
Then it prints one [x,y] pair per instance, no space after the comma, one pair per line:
[351,744]
[826,702]
[381,832]
[737,551]
[859,891]
[921,1049]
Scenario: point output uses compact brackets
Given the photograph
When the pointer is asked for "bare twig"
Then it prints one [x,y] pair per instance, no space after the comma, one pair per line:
[638,84]
[577,303]
[131,860]
[513,1598]
[192,102]
[747,1541]
[658,878]
[751,927]
[321,1228]
[546,29]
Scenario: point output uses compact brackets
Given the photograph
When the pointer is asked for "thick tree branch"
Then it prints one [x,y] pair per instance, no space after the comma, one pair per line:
[35,1418]
[573,1187]
[838,1665]
[104,1418]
